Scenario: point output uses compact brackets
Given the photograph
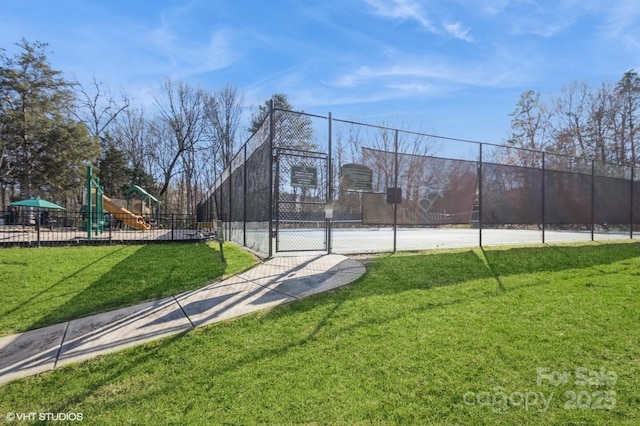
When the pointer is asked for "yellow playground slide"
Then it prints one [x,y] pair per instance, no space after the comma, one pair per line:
[124,215]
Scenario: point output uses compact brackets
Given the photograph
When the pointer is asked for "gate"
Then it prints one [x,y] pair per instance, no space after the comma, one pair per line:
[300,195]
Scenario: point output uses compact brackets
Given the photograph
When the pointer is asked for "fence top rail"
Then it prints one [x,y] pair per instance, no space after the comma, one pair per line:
[296,151]
[301,113]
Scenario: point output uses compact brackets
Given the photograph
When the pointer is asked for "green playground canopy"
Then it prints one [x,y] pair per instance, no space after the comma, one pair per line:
[38,203]
[143,195]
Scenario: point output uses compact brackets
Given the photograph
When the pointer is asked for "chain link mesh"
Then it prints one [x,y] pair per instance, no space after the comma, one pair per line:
[285,176]
[301,184]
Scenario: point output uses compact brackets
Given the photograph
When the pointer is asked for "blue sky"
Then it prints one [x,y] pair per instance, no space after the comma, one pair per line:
[455,68]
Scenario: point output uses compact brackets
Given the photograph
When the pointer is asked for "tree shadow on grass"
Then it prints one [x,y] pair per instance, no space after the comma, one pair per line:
[396,274]
[43,293]
[153,272]
[420,271]
[556,258]
[114,371]
[385,276]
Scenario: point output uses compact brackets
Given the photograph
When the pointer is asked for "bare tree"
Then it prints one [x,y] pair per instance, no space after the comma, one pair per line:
[181,112]
[190,173]
[162,154]
[132,134]
[97,108]
[349,142]
[603,107]
[223,112]
[379,159]
[571,111]
[530,124]
[413,148]
[581,122]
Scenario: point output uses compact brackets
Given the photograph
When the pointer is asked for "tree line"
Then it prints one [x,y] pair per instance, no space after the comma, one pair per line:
[591,123]
[52,128]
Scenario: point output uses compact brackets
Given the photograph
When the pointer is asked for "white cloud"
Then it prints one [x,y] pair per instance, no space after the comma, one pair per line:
[494,7]
[402,9]
[430,72]
[622,23]
[413,88]
[456,30]
[188,55]
[548,27]
[412,10]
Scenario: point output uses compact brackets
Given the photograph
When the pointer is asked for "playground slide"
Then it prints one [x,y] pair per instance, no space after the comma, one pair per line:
[124,215]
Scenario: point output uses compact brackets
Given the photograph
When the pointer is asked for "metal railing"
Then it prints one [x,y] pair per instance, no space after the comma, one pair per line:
[23,228]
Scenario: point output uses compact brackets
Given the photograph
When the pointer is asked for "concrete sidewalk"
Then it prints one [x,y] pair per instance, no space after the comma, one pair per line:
[277,281]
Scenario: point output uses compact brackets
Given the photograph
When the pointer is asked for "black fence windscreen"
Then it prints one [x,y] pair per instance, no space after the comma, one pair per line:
[258,185]
[511,195]
[613,200]
[298,167]
[567,198]
[304,182]
[435,191]
[241,195]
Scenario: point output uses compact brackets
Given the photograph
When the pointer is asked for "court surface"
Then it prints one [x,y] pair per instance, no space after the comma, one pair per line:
[374,240]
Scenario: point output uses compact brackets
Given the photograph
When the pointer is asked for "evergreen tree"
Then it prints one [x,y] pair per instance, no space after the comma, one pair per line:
[144,180]
[46,147]
[115,176]
[628,90]
[60,169]
[292,130]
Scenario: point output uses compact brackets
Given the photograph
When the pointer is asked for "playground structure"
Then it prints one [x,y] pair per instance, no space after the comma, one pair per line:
[140,202]
[103,220]
[97,203]
[124,215]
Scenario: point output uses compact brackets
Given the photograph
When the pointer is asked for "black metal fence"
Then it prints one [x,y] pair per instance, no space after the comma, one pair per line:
[25,228]
[241,196]
[308,182]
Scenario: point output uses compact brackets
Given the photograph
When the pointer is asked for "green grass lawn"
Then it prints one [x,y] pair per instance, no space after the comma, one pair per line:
[540,335]
[49,285]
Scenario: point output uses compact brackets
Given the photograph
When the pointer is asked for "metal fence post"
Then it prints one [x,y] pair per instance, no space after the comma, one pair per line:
[89,208]
[593,172]
[329,187]
[631,204]
[244,196]
[271,183]
[480,198]
[544,195]
[275,200]
[395,185]
[230,199]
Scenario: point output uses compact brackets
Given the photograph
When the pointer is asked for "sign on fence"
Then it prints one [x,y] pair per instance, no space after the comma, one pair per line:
[356,177]
[304,176]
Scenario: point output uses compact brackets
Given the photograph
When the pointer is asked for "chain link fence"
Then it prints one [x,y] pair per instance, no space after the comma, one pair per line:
[389,189]
[241,195]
